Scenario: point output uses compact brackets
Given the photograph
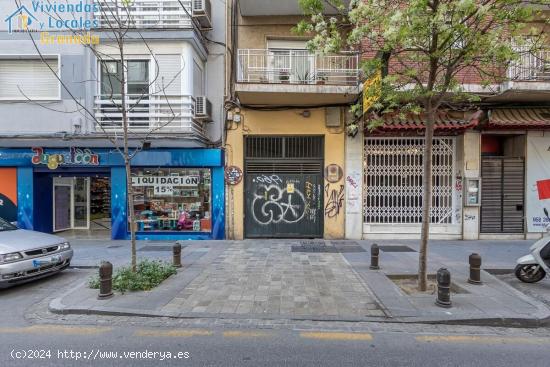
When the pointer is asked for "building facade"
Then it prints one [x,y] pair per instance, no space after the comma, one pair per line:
[61,133]
[285,143]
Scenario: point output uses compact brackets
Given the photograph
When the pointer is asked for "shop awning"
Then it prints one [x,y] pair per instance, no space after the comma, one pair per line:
[512,118]
[445,121]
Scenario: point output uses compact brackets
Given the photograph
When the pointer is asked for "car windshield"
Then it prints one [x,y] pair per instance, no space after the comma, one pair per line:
[6,226]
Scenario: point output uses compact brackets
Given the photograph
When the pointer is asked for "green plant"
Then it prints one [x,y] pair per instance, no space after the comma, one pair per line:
[148,275]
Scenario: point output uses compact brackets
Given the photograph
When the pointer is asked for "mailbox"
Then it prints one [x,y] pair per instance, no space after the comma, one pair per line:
[473,192]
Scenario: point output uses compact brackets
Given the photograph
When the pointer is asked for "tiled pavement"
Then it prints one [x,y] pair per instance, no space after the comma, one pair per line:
[266,278]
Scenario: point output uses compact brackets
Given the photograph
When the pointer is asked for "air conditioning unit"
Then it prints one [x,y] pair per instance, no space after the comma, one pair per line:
[203,109]
[202,12]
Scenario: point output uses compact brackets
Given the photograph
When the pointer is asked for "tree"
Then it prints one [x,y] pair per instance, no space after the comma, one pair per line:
[423,48]
[118,105]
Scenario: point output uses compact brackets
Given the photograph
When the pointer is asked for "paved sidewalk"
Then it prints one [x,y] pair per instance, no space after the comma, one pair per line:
[266,280]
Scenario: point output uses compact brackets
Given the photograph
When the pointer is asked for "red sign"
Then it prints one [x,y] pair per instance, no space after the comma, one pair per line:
[543,188]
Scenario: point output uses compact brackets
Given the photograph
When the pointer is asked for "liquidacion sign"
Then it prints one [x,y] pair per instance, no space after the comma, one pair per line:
[141,181]
[75,156]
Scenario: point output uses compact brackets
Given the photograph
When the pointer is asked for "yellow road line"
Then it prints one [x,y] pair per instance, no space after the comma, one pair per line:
[482,339]
[56,329]
[177,333]
[335,336]
[244,334]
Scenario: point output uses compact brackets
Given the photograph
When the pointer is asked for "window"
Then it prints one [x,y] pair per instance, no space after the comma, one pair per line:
[198,80]
[22,79]
[172,199]
[137,77]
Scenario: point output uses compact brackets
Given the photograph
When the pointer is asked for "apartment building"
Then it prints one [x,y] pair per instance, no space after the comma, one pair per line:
[61,127]
[285,143]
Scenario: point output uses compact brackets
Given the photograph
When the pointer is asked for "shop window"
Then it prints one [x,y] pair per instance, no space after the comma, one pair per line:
[172,199]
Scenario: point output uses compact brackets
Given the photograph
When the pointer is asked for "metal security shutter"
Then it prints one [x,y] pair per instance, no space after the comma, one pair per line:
[502,208]
[284,186]
[28,78]
[512,200]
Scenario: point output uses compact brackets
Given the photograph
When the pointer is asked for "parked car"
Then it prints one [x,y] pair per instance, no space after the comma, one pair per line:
[28,255]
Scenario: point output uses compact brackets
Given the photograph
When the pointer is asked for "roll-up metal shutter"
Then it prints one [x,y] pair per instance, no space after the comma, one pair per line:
[284,186]
[502,195]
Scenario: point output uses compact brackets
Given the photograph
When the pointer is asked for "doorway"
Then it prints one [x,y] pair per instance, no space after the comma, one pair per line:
[81,206]
[284,186]
[502,184]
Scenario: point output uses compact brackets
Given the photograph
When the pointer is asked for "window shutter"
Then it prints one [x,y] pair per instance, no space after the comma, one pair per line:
[20,79]
[169,74]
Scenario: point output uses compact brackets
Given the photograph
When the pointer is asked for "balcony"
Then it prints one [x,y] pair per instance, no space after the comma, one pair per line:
[157,114]
[145,14]
[251,8]
[529,77]
[296,77]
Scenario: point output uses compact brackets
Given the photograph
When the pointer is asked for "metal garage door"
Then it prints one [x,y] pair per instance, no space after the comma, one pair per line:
[284,187]
[502,195]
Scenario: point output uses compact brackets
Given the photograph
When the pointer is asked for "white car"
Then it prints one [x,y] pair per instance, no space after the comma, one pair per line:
[28,255]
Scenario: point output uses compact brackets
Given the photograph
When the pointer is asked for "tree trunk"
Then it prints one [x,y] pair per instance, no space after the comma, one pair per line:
[426,200]
[127,160]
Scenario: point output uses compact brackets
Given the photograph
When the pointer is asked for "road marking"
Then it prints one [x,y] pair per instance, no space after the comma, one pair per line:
[481,339]
[56,329]
[177,333]
[244,334]
[319,335]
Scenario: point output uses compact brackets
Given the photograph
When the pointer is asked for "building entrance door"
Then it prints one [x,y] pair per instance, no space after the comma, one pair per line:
[284,187]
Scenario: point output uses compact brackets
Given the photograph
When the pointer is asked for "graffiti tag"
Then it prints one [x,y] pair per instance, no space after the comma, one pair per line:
[352,182]
[335,201]
[273,204]
[273,179]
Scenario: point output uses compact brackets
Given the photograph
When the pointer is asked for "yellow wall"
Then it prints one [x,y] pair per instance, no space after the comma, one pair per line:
[288,122]
[255,31]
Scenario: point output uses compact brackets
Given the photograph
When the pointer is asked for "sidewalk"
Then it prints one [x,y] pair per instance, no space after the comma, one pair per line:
[310,280]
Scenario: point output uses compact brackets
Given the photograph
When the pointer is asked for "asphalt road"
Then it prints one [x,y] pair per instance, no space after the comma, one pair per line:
[90,345]
[113,343]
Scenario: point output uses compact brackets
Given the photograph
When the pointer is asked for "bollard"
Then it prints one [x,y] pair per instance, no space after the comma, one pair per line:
[443,288]
[374,257]
[105,280]
[176,258]
[475,269]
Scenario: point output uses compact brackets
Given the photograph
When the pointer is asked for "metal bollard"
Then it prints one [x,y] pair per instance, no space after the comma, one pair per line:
[176,258]
[374,257]
[475,269]
[105,280]
[443,288]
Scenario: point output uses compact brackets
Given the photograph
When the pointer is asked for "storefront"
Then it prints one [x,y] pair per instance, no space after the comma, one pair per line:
[178,193]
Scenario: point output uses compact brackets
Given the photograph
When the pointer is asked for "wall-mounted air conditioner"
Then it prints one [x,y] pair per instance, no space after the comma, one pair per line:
[202,12]
[203,109]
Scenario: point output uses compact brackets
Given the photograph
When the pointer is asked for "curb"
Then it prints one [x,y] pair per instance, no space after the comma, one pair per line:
[57,307]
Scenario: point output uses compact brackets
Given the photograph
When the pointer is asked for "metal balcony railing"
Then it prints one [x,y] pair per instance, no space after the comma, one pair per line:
[148,114]
[531,66]
[297,67]
[143,14]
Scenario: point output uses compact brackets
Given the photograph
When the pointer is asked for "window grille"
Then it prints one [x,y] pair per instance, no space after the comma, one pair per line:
[393,180]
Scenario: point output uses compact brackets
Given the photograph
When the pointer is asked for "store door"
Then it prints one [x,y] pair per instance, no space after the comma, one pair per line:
[71,203]
[284,187]
[502,195]
[62,208]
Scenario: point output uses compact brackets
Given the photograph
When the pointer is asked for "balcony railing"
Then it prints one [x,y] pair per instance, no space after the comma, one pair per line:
[148,114]
[142,14]
[531,66]
[297,67]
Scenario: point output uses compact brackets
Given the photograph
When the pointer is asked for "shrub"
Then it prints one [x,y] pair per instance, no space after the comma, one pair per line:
[149,274]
